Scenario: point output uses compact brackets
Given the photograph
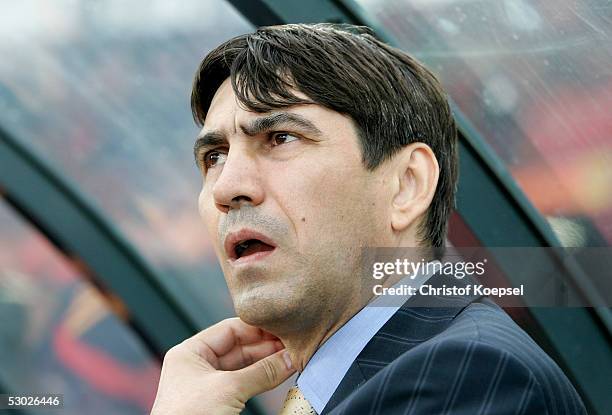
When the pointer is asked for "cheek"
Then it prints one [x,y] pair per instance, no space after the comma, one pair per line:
[201,202]
[209,214]
[324,203]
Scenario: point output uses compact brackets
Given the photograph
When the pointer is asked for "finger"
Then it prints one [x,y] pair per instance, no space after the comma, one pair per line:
[268,336]
[245,355]
[264,374]
[225,335]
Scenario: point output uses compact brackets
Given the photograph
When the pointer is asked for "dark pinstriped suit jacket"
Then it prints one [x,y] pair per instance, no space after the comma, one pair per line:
[465,356]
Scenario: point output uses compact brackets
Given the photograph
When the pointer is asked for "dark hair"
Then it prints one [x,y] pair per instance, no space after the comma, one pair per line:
[390,96]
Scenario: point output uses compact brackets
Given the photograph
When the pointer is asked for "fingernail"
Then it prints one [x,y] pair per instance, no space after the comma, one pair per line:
[287,360]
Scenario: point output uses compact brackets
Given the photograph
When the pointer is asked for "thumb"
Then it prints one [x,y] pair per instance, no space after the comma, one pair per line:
[265,374]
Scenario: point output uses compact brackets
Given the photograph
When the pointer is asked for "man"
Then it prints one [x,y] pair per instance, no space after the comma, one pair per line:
[319,140]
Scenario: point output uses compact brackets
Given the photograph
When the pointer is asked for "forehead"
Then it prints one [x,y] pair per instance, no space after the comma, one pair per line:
[226,113]
[224,102]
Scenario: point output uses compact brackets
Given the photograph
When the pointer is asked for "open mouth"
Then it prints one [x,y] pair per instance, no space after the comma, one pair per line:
[247,244]
[251,247]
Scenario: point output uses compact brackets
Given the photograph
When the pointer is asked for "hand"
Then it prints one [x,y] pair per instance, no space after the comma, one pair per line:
[219,369]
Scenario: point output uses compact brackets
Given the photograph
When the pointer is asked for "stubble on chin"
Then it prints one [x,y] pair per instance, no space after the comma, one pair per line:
[276,308]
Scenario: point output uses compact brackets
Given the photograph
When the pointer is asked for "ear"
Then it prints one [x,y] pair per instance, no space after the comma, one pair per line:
[416,175]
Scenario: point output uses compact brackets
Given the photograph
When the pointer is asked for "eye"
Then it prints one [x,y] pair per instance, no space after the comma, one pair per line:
[213,158]
[282,138]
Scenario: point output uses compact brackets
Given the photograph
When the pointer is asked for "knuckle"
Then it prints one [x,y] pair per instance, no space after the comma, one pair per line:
[270,371]
[174,352]
[228,321]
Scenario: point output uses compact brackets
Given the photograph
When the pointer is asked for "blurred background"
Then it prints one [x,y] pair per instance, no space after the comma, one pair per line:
[104,263]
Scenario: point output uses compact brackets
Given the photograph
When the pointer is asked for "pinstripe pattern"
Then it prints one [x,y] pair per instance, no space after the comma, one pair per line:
[459,378]
[459,356]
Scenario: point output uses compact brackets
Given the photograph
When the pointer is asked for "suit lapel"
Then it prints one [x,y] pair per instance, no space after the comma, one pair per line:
[351,381]
[419,319]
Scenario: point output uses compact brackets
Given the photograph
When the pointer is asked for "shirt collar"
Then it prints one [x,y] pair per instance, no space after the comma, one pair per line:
[327,367]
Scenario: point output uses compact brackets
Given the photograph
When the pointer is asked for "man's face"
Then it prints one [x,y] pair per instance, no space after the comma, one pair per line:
[291,185]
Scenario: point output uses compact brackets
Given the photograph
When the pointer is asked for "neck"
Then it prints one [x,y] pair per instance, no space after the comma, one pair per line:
[302,345]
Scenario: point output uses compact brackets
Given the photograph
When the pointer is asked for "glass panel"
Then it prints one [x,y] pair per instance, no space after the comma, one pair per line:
[535,80]
[59,335]
[101,89]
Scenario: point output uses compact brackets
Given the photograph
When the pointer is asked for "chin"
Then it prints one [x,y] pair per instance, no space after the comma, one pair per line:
[265,308]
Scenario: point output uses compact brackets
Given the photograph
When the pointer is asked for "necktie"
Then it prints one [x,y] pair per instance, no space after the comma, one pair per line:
[296,404]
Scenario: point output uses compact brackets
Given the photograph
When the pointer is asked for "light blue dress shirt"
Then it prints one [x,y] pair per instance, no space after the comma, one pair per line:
[325,370]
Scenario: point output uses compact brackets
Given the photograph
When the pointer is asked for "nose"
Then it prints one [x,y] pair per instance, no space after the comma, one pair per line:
[239,181]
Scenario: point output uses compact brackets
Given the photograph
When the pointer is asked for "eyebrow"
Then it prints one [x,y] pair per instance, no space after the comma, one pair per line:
[207,140]
[256,127]
[269,122]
